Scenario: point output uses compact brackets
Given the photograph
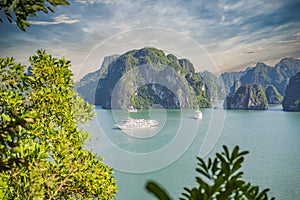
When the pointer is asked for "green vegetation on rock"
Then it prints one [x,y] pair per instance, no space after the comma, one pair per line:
[273,95]
[278,76]
[215,87]
[88,84]
[228,79]
[142,78]
[247,97]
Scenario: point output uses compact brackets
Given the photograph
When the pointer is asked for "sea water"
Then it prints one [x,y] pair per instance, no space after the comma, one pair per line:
[167,154]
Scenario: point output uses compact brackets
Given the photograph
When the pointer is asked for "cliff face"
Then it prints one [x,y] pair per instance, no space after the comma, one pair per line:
[228,78]
[236,85]
[247,97]
[291,101]
[214,86]
[260,74]
[145,77]
[273,95]
[86,87]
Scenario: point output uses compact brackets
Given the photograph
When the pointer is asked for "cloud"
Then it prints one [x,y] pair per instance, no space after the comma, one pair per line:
[60,19]
[286,41]
[234,33]
[128,15]
[297,35]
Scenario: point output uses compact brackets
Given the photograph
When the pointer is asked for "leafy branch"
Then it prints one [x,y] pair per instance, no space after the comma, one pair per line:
[219,178]
[18,10]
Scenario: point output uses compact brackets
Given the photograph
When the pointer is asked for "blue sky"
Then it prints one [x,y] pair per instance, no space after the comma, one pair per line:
[218,35]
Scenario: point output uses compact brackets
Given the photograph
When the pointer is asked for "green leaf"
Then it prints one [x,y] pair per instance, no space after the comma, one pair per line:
[5,118]
[205,173]
[226,152]
[215,166]
[237,164]
[51,9]
[243,153]
[218,183]
[157,191]
[220,157]
[263,194]
[234,154]
[202,164]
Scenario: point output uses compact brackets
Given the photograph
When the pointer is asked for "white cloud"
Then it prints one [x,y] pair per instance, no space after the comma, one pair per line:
[297,35]
[234,33]
[287,41]
[223,18]
[250,8]
[128,15]
[60,19]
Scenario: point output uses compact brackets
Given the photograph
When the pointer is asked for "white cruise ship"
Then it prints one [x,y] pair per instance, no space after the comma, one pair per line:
[132,123]
[132,109]
[198,114]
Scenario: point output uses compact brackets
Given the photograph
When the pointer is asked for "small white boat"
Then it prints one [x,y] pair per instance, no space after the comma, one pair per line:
[198,114]
[132,109]
[133,123]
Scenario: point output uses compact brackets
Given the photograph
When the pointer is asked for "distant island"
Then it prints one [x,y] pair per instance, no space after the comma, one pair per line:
[181,86]
[272,81]
[291,101]
[247,97]
[277,76]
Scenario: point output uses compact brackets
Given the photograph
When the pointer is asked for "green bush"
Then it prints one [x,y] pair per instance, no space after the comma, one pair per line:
[41,146]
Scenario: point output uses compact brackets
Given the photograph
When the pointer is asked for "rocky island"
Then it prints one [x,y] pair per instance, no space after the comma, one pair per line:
[273,95]
[148,76]
[142,78]
[291,101]
[247,97]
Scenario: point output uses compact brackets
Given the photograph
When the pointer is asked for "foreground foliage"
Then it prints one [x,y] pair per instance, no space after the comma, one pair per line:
[41,146]
[18,10]
[220,178]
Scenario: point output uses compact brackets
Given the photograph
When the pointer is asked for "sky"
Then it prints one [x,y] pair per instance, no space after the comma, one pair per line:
[216,35]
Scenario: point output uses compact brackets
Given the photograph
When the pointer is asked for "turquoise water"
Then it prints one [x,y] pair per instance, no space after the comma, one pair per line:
[167,154]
